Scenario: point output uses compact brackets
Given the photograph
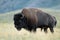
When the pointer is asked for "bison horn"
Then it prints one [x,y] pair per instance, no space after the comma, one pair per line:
[21,15]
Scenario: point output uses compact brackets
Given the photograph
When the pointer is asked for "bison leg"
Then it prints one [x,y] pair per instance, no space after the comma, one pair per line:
[51,29]
[30,28]
[41,29]
[45,30]
[34,28]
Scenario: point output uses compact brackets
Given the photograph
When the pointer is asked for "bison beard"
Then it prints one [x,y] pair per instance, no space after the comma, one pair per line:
[31,19]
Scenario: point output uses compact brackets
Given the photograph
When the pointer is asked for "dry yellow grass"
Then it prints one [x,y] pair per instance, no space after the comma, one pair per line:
[8,32]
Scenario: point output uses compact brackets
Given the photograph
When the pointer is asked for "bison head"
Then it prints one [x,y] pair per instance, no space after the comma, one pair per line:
[19,21]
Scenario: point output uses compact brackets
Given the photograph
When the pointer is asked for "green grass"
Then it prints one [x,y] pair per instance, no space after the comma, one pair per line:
[9,32]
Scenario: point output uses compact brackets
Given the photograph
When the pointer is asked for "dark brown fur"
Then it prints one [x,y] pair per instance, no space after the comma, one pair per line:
[36,18]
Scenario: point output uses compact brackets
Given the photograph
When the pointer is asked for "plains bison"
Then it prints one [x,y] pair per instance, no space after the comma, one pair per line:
[32,18]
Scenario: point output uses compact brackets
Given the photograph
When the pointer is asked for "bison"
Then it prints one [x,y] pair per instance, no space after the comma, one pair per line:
[33,18]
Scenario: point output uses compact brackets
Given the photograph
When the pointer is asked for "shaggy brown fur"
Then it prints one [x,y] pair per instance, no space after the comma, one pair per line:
[35,18]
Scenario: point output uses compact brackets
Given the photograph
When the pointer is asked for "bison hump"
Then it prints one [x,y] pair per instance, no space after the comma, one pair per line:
[30,15]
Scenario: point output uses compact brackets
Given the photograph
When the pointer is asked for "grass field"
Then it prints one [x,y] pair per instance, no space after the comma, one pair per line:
[8,31]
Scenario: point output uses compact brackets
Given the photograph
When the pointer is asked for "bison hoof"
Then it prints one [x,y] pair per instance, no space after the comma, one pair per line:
[52,31]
